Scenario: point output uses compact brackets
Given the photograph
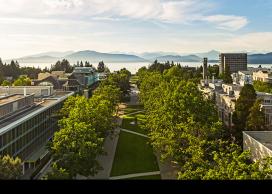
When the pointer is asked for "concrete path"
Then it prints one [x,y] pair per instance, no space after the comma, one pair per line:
[133,113]
[134,96]
[169,171]
[106,161]
[135,175]
[135,133]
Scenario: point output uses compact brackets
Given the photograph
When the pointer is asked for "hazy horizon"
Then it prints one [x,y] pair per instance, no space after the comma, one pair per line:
[182,26]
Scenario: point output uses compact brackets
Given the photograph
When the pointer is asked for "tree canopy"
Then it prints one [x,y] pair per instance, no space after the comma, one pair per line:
[184,127]
[119,79]
[256,118]
[22,81]
[10,168]
[242,109]
[63,65]
[85,124]
[262,86]
[101,67]
[226,76]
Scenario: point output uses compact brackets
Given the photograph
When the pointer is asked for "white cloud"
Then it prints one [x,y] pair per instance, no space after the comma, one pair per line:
[251,41]
[227,22]
[169,11]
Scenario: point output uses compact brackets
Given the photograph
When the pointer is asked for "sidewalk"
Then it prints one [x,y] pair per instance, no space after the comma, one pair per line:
[135,175]
[106,161]
[168,170]
[135,133]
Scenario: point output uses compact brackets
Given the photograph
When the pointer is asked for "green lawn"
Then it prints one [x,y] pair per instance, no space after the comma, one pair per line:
[134,79]
[133,155]
[139,128]
[141,107]
[131,110]
[152,177]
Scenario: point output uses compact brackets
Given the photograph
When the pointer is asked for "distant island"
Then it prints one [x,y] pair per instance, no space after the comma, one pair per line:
[95,57]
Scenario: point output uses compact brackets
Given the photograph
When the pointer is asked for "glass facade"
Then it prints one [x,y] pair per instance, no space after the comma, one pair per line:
[23,139]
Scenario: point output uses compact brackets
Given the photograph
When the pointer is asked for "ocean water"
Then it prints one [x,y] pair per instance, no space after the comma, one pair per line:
[133,67]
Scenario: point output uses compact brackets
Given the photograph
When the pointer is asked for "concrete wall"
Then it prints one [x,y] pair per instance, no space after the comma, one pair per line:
[16,105]
[252,142]
[39,91]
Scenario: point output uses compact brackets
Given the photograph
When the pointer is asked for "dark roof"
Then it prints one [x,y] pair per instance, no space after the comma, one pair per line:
[72,82]
[55,82]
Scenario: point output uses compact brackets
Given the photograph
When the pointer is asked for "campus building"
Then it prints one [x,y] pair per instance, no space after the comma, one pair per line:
[234,61]
[86,76]
[80,79]
[59,80]
[27,124]
[226,99]
[263,76]
[242,78]
[38,91]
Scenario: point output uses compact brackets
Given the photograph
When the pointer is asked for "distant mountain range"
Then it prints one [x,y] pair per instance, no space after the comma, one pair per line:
[178,58]
[260,58]
[94,56]
[54,54]
[118,57]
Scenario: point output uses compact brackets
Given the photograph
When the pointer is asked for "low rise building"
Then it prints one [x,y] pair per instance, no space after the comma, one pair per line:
[242,78]
[59,81]
[266,107]
[81,78]
[226,99]
[38,91]
[27,124]
[263,76]
[87,76]
[14,103]
[209,87]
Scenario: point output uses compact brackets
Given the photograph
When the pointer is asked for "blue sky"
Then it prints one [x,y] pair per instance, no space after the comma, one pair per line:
[182,26]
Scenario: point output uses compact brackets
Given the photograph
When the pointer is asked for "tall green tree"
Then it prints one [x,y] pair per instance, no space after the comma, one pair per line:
[22,81]
[85,124]
[10,168]
[226,76]
[75,148]
[68,105]
[63,65]
[256,118]
[101,67]
[120,79]
[262,86]
[243,105]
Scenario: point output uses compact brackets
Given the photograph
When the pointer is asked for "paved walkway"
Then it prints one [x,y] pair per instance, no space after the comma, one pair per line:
[135,175]
[134,96]
[169,171]
[106,160]
[133,113]
[135,133]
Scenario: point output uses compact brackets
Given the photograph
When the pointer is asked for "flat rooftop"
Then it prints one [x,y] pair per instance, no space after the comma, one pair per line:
[28,113]
[264,137]
[8,99]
